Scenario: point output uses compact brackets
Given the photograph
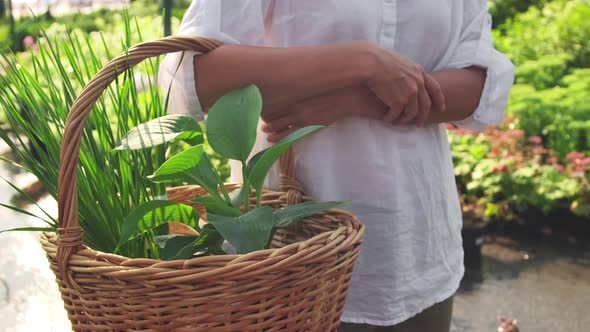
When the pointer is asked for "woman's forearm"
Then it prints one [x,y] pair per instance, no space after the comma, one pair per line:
[284,75]
[462,89]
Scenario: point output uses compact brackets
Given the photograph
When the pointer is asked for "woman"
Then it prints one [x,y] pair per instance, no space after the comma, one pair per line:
[384,75]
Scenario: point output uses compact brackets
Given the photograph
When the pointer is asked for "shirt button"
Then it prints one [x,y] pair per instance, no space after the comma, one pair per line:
[388,33]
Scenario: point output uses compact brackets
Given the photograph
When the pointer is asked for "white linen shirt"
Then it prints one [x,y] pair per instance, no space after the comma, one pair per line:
[399,180]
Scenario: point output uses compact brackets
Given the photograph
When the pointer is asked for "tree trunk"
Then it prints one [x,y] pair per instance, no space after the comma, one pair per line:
[2,9]
[167,7]
[12,28]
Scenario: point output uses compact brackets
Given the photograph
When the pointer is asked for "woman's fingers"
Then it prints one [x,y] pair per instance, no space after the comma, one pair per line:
[412,108]
[277,136]
[425,108]
[435,92]
[282,123]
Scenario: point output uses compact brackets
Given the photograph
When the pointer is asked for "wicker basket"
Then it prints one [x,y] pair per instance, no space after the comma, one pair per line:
[299,285]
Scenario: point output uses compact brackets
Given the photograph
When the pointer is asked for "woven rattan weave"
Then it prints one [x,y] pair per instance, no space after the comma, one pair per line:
[299,285]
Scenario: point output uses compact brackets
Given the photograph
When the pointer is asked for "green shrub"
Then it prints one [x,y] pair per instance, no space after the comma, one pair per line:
[501,176]
[502,10]
[560,115]
[559,27]
[545,72]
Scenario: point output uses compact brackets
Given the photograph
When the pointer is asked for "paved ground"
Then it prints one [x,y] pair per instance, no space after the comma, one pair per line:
[29,299]
[546,287]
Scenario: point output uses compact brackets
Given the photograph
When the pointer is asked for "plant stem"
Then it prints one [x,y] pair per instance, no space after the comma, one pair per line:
[246,187]
[224,191]
[258,198]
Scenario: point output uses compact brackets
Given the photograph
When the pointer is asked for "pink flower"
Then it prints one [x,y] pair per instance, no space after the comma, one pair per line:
[560,168]
[515,133]
[535,140]
[500,168]
[574,155]
[584,162]
[28,41]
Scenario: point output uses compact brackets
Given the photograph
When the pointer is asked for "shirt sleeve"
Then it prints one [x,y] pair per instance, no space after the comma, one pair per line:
[231,22]
[476,48]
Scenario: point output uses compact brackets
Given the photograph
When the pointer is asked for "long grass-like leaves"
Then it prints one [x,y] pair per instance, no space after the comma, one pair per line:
[37,92]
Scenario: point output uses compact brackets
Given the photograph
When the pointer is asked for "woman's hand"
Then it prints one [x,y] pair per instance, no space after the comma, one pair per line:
[322,110]
[408,91]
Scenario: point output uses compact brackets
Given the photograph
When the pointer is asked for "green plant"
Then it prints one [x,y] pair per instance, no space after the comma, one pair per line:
[38,89]
[559,115]
[231,131]
[502,175]
[545,72]
[558,27]
[503,10]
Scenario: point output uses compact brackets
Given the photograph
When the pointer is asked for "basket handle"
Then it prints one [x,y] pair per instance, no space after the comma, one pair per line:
[70,234]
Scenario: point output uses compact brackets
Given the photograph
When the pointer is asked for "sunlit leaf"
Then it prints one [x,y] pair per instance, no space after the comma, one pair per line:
[161,130]
[191,166]
[217,206]
[155,213]
[260,164]
[232,123]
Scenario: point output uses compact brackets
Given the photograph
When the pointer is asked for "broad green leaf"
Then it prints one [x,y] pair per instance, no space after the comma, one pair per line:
[161,130]
[295,213]
[191,137]
[209,176]
[210,238]
[30,229]
[174,246]
[184,247]
[232,123]
[247,233]
[191,166]
[237,197]
[160,240]
[217,206]
[155,213]
[260,164]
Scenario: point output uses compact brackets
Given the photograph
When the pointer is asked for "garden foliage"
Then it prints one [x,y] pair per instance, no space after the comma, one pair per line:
[537,161]
[38,89]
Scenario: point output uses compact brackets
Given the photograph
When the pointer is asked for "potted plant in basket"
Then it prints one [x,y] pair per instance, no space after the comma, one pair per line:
[231,132]
[151,278]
